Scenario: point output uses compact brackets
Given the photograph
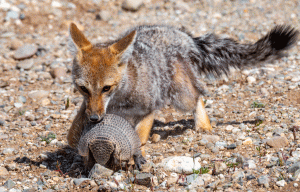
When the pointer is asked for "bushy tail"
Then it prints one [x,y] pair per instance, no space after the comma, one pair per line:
[216,55]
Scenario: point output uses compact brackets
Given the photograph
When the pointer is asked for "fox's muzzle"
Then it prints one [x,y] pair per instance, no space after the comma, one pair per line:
[94,118]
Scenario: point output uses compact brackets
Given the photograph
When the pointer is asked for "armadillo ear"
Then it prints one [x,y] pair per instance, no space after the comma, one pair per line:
[79,39]
[120,46]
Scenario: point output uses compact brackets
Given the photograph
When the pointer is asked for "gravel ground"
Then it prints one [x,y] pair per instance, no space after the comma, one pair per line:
[255,112]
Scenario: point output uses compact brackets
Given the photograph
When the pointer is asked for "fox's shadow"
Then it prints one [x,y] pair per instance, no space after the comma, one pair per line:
[179,127]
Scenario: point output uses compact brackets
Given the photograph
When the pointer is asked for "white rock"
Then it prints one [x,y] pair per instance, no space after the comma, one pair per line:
[56,4]
[180,164]
[251,164]
[251,79]
[4,5]
[18,105]
[235,130]
[295,184]
[229,128]
[281,183]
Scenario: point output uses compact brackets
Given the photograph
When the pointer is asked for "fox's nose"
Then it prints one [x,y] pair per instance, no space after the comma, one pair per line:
[94,118]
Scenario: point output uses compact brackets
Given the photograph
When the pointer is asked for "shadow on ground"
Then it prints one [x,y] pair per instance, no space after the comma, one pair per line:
[182,125]
[65,161]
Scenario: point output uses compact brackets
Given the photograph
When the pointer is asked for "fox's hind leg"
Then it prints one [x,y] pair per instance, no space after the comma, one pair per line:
[143,129]
[201,119]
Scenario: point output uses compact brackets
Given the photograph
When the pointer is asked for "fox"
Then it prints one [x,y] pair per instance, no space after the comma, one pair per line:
[150,66]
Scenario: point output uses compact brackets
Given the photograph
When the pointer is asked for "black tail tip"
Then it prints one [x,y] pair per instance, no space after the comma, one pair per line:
[283,37]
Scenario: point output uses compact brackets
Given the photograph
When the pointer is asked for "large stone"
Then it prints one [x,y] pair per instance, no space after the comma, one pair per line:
[278,142]
[25,64]
[99,171]
[132,5]
[181,164]
[26,51]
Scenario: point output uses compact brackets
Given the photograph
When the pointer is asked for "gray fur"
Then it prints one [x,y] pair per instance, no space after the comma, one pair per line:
[155,50]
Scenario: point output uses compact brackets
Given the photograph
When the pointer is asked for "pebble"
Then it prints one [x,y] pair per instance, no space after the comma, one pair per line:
[278,142]
[263,180]
[231,146]
[3,172]
[295,184]
[132,5]
[38,94]
[220,167]
[292,169]
[281,183]
[26,51]
[229,128]
[104,15]
[221,144]
[248,141]
[9,184]
[155,138]
[25,64]
[99,171]
[180,164]
[12,15]
[77,182]
[143,179]
[58,73]
[8,151]
[251,79]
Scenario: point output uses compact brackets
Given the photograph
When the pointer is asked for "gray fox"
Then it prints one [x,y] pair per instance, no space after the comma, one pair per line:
[151,65]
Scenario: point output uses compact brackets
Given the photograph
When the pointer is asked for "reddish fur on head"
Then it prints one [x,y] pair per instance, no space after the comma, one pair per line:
[96,68]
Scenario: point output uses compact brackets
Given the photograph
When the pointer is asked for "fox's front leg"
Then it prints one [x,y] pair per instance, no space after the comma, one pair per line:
[143,129]
[75,131]
[201,118]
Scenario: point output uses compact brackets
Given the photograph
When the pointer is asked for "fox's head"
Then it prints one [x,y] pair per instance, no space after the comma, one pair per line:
[98,70]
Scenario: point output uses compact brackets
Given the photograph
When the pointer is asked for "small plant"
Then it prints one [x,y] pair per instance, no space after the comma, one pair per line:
[257,104]
[202,170]
[260,153]
[22,112]
[67,104]
[258,122]
[49,138]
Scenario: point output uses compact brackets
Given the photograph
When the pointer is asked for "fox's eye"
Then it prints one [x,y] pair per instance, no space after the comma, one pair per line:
[84,89]
[106,88]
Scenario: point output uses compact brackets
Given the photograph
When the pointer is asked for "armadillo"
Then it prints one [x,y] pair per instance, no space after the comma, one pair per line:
[112,141]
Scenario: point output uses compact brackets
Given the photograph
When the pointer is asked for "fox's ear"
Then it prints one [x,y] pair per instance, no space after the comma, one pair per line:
[120,46]
[79,39]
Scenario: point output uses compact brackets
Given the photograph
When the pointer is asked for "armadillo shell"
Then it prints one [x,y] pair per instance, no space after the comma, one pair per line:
[112,136]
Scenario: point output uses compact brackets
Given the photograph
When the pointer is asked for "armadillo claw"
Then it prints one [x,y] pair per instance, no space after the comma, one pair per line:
[139,160]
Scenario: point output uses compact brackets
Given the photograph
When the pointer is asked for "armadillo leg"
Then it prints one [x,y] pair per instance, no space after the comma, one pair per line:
[201,119]
[75,131]
[139,160]
[143,129]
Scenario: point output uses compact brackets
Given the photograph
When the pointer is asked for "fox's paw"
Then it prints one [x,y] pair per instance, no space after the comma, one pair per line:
[205,127]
